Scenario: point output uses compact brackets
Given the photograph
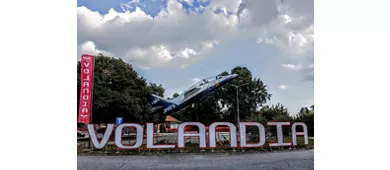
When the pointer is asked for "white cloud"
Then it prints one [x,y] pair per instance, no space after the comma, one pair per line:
[228,5]
[294,38]
[307,70]
[254,13]
[283,87]
[170,38]
[175,38]
[292,67]
[293,33]
[266,40]
[131,5]
[290,27]
[293,28]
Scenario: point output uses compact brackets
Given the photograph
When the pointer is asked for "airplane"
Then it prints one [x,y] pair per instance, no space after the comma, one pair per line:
[194,94]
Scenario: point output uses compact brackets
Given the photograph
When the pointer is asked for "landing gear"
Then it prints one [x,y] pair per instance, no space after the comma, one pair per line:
[195,116]
[197,112]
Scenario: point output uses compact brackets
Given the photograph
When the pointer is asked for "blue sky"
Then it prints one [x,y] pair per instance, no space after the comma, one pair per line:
[265,60]
[152,7]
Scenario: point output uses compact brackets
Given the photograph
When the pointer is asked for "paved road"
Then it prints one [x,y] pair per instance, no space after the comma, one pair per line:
[289,160]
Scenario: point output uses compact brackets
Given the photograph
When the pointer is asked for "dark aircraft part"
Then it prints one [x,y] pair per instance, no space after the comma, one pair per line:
[195,94]
[197,112]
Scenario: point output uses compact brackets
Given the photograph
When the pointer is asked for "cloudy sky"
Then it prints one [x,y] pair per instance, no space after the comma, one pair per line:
[176,42]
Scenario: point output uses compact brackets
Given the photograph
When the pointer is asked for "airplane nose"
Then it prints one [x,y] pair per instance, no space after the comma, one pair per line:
[234,75]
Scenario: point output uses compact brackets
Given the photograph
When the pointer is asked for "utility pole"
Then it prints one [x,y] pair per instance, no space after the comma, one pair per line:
[238,101]
[238,109]
[238,106]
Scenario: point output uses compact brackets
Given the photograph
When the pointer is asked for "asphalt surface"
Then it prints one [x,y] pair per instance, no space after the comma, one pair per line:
[289,160]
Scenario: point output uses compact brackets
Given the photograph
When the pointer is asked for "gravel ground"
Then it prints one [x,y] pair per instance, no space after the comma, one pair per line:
[289,160]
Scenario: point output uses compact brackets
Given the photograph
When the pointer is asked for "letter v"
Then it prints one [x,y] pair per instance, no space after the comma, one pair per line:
[106,136]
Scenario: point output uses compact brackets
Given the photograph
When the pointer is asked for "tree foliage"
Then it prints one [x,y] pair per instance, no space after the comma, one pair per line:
[306,115]
[275,113]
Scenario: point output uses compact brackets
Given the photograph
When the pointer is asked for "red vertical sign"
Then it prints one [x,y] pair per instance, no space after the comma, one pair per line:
[86,88]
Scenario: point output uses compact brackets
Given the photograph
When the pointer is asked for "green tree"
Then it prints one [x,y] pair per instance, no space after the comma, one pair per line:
[276,113]
[173,96]
[306,115]
[251,96]
[156,89]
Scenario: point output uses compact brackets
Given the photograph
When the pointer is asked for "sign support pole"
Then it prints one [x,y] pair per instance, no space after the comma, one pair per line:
[93,79]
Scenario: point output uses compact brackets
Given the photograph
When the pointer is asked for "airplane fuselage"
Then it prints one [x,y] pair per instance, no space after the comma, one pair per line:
[195,99]
[195,94]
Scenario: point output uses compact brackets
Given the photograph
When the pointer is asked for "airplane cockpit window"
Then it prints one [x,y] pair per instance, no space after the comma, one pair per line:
[190,92]
[199,83]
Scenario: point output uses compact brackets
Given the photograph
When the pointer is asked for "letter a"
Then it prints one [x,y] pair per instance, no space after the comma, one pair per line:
[295,133]
[201,134]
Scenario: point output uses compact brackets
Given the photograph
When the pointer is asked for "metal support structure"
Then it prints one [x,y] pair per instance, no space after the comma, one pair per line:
[89,144]
[238,108]
[197,112]
[238,101]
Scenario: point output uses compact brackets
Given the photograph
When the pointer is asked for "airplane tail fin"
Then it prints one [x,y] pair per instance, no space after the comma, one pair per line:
[157,101]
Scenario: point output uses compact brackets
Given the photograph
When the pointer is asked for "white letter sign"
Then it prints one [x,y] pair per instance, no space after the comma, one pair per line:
[150,135]
[243,142]
[106,136]
[279,132]
[201,134]
[118,136]
[232,129]
[295,133]
[182,135]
